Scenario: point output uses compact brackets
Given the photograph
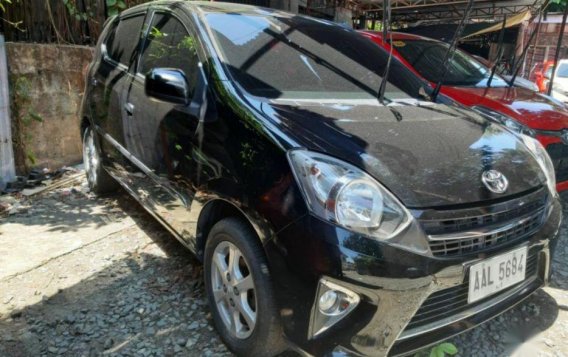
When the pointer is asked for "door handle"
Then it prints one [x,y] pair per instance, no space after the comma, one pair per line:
[94,82]
[129,107]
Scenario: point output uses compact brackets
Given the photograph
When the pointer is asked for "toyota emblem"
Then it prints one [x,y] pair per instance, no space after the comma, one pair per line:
[495,181]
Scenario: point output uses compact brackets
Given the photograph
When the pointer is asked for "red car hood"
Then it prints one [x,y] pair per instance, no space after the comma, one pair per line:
[533,109]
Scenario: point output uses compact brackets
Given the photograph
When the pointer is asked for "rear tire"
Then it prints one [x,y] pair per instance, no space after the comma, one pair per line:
[98,179]
[240,294]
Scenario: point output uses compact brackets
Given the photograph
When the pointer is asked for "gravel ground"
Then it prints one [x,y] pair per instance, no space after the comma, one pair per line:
[137,292]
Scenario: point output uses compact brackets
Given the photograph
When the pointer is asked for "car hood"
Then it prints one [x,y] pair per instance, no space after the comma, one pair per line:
[434,156]
[533,109]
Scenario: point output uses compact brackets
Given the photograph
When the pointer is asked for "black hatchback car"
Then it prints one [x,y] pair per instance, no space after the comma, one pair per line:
[327,221]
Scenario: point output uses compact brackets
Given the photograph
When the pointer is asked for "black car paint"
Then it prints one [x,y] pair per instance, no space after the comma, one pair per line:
[232,161]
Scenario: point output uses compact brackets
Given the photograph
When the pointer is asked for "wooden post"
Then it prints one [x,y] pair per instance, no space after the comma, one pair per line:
[7,169]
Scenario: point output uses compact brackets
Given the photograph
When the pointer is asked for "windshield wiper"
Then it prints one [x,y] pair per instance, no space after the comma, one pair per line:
[452,49]
[384,80]
[386,29]
[499,52]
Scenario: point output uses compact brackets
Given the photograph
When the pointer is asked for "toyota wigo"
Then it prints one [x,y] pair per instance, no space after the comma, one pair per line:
[467,82]
[333,212]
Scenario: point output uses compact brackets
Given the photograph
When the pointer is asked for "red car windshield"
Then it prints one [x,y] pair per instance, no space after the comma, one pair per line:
[427,58]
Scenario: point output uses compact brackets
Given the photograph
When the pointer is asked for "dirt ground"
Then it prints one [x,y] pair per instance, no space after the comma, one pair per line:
[88,276]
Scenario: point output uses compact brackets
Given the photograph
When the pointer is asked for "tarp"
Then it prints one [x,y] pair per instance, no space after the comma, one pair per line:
[445,32]
[510,22]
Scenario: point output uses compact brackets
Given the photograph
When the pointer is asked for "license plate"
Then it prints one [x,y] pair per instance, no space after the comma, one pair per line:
[495,274]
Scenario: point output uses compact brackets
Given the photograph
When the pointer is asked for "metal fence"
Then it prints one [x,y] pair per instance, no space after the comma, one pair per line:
[56,21]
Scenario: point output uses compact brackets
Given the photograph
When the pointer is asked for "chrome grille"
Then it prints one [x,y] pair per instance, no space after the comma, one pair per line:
[461,232]
[445,245]
[465,223]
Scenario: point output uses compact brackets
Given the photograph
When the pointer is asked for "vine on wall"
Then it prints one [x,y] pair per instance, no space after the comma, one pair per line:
[23,116]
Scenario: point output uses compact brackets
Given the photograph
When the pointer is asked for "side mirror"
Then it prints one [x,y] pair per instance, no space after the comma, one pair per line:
[169,85]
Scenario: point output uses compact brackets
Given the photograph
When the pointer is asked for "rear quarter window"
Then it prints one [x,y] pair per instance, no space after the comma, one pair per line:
[123,39]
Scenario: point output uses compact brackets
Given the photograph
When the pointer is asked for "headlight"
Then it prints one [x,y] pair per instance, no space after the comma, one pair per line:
[343,194]
[540,154]
[505,120]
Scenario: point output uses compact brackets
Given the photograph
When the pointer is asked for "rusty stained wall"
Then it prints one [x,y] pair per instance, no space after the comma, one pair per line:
[54,76]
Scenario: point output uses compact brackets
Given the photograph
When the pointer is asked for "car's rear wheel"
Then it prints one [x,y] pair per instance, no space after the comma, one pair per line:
[98,179]
[240,292]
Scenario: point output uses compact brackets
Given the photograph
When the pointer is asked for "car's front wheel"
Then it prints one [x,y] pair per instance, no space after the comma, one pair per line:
[240,291]
[98,179]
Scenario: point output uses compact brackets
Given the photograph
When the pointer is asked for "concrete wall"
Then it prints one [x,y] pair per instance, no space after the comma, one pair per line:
[47,83]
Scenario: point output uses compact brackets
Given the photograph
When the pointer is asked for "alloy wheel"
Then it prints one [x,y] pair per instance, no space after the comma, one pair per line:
[233,290]
[90,156]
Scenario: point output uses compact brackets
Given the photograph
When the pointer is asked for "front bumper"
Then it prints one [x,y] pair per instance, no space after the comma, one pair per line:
[393,284]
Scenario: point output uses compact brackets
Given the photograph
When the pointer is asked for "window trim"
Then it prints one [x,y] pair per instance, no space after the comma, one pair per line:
[104,50]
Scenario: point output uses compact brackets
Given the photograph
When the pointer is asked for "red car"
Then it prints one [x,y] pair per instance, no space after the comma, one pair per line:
[520,109]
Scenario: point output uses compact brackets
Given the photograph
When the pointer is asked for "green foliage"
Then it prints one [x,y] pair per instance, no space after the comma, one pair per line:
[115,6]
[3,4]
[557,5]
[73,11]
[24,114]
[442,350]
[247,154]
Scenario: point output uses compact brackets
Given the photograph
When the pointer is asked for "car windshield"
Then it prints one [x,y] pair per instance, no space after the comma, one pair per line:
[562,70]
[427,58]
[278,56]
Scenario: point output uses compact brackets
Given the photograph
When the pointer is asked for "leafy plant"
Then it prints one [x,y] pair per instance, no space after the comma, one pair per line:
[24,115]
[3,4]
[441,350]
[115,6]
[73,11]
[557,5]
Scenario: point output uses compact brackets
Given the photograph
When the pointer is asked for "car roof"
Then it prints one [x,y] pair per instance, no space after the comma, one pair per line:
[398,35]
[206,6]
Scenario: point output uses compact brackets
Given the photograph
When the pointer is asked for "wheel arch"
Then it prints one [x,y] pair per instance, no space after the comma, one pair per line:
[217,209]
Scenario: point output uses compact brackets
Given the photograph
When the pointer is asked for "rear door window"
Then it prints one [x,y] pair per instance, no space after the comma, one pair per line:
[123,40]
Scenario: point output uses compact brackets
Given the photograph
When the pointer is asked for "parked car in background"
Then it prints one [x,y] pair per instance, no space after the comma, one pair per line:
[327,220]
[518,108]
[560,83]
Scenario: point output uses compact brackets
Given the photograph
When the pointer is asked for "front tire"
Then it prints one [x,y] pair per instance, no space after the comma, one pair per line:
[240,291]
[98,179]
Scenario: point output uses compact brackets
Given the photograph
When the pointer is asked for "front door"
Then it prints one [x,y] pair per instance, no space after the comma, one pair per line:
[159,134]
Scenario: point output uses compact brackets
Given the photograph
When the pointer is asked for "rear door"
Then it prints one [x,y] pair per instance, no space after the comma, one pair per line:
[119,51]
